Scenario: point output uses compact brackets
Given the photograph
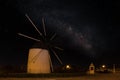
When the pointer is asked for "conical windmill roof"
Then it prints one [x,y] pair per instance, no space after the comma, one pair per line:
[39,45]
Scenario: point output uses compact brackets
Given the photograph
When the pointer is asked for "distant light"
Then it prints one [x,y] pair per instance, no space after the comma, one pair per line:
[68,67]
[103,66]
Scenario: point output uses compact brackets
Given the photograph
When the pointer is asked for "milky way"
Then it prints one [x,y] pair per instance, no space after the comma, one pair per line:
[64,18]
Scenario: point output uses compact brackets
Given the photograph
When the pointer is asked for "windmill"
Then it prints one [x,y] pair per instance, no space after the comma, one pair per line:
[39,60]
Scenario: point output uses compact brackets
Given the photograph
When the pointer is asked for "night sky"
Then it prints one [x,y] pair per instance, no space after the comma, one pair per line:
[87,30]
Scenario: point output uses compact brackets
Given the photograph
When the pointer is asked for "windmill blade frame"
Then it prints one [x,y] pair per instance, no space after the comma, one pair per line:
[34,25]
[43,22]
[51,64]
[29,37]
[58,48]
[56,56]
[53,36]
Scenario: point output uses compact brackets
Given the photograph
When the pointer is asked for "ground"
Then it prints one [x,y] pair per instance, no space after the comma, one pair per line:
[107,76]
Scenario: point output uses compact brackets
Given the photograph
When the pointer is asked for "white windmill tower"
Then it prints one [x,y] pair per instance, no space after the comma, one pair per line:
[39,60]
